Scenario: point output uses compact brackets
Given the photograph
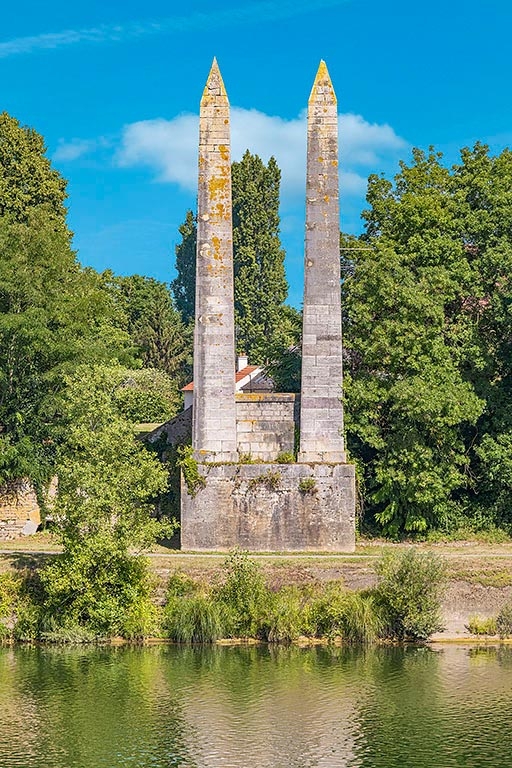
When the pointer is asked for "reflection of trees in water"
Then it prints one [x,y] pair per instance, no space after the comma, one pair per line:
[101,707]
[274,706]
[449,707]
[271,707]
[397,718]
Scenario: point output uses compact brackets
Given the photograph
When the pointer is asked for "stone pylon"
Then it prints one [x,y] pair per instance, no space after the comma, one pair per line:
[214,420]
[321,413]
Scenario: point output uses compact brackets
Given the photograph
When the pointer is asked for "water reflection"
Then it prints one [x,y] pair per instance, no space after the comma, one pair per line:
[249,706]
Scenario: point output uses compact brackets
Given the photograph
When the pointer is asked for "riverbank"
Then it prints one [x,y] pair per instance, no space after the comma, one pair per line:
[478,574]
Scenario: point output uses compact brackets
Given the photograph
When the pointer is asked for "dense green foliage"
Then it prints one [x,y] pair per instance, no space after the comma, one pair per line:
[408,594]
[404,606]
[107,483]
[100,591]
[160,337]
[427,302]
[27,179]
[53,316]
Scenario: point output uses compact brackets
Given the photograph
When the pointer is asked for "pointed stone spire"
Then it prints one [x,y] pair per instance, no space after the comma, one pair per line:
[214,420]
[321,414]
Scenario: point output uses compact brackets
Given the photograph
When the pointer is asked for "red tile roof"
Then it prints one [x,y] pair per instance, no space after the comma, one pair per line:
[239,375]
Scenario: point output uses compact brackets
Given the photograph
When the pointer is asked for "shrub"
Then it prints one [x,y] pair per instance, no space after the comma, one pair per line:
[96,589]
[244,595]
[408,595]
[478,625]
[504,621]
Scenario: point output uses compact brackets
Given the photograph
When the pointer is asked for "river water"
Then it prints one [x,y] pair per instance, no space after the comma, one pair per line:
[261,707]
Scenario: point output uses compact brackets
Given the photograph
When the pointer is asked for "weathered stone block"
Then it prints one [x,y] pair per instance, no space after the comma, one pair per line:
[264,507]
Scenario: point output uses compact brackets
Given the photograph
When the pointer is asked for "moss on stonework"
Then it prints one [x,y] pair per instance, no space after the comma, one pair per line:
[190,468]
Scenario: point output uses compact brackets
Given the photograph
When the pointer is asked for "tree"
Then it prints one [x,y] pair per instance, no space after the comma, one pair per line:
[53,315]
[260,282]
[146,395]
[27,179]
[161,338]
[428,335]
[184,285]
[108,482]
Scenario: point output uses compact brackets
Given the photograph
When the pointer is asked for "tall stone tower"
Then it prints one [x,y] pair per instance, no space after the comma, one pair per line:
[321,411]
[214,419]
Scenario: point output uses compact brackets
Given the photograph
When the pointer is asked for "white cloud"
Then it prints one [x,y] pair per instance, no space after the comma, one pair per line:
[169,147]
[68,151]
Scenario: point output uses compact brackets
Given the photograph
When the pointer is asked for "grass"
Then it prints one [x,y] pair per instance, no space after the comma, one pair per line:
[483,573]
[479,625]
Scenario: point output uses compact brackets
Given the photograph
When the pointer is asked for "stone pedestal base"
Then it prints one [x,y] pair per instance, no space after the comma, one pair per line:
[271,507]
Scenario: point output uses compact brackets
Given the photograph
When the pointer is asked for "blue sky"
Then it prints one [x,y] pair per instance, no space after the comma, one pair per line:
[114,88]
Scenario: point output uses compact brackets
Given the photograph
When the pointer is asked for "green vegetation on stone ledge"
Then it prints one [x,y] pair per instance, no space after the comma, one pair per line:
[190,468]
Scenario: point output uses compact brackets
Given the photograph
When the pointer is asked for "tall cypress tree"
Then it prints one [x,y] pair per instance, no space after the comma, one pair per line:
[264,325]
[184,285]
[260,282]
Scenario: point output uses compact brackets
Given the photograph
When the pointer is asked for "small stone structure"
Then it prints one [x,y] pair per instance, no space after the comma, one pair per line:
[303,506]
[19,509]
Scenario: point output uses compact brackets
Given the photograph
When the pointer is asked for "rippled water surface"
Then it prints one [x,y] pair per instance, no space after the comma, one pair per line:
[233,707]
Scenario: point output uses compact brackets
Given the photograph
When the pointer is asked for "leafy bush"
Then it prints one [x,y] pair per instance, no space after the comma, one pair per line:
[102,591]
[244,595]
[408,595]
[504,621]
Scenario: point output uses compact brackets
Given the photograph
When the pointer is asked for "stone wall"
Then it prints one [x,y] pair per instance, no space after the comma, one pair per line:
[19,511]
[271,507]
[177,430]
[265,424]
